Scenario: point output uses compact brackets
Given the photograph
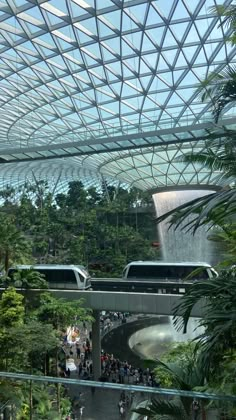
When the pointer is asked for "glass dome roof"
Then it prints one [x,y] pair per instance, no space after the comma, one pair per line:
[107,88]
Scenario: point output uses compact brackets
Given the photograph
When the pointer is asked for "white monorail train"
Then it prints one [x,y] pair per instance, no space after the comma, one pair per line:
[137,275]
[168,271]
[59,276]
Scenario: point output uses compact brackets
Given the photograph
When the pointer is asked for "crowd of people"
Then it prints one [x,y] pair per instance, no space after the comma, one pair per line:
[114,370]
[79,356]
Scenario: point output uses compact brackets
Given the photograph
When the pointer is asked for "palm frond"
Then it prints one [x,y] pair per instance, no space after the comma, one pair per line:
[220,88]
[172,409]
[220,161]
[228,13]
[219,319]
[210,209]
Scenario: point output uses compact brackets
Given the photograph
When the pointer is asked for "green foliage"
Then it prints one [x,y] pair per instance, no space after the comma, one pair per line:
[60,312]
[29,279]
[159,409]
[11,309]
[13,244]
[219,321]
[101,230]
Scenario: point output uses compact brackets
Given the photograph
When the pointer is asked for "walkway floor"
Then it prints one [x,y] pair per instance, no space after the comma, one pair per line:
[100,405]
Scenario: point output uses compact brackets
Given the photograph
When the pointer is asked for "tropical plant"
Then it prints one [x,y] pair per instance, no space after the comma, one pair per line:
[220,151]
[219,321]
[13,244]
[161,409]
[184,374]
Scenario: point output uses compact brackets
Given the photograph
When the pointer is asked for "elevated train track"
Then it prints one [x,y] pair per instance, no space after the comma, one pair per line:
[140,286]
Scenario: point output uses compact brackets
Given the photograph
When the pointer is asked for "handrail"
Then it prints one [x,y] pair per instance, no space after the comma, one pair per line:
[119,387]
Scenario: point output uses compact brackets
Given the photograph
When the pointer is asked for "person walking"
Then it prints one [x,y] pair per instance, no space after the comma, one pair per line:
[122,410]
[195,409]
[81,410]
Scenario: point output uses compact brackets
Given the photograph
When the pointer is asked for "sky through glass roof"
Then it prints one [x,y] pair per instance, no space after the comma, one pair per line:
[107,88]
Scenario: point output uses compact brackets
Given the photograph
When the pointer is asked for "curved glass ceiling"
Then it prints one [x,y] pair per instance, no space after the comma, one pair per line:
[107,88]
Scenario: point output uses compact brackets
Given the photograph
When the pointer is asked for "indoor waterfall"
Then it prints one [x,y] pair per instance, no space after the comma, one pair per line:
[179,245]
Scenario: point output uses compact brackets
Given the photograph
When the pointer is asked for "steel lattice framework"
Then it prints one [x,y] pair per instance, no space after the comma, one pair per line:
[107,88]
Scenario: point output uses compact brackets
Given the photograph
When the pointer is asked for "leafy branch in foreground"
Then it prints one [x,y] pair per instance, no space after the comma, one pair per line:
[161,409]
[214,208]
[210,209]
[219,321]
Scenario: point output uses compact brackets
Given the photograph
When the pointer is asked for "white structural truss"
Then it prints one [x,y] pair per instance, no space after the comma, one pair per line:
[107,88]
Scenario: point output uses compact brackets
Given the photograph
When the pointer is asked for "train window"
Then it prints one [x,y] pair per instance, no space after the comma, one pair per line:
[58,276]
[165,272]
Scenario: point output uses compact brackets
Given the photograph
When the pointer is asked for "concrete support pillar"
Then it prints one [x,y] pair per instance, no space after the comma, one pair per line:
[96,346]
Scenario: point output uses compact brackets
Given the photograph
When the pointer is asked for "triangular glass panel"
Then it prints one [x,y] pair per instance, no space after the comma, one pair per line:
[189,52]
[104,30]
[145,81]
[147,44]
[167,78]
[185,93]
[114,106]
[89,60]
[134,39]
[162,65]
[169,40]
[156,35]
[181,62]
[94,51]
[45,51]
[157,84]
[89,94]
[169,56]
[209,49]
[164,7]
[96,74]
[127,23]
[90,26]
[148,104]
[115,67]
[105,112]
[52,19]
[114,18]
[174,99]
[128,90]
[215,33]
[63,45]
[126,49]
[113,44]
[139,12]
[201,57]
[161,97]
[176,75]
[127,72]
[180,11]
[192,36]
[179,29]
[153,17]
[200,72]
[117,87]
[203,25]
[143,66]
[106,52]
[82,36]
[132,63]
[111,78]
[220,57]
[46,41]
[124,109]
[77,10]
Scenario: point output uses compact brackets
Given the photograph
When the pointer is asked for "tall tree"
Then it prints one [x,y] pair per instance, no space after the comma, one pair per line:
[13,244]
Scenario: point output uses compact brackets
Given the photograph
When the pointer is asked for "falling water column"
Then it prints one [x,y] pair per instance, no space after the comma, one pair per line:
[180,245]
